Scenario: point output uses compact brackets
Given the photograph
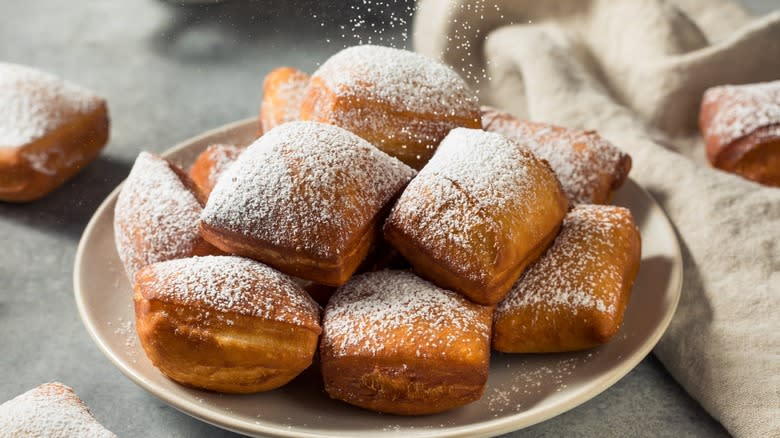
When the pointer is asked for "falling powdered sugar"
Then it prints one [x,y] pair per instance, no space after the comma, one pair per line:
[49,410]
[386,311]
[306,186]
[35,103]
[229,284]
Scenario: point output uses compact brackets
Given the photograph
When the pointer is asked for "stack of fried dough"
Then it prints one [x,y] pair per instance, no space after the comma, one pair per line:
[386,220]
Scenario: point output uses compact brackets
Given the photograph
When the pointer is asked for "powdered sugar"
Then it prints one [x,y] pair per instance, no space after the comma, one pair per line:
[402,79]
[402,102]
[230,284]
[35,103]
[742,109]
[569,274]
[587,165]
[282,103]
[458,201]
[530,381]
[39,161]
[221,156]
[50,410]
[384,310]
[303,181]
[156,216]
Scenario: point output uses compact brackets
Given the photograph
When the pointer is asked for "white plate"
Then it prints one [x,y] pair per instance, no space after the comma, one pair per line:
[522,389]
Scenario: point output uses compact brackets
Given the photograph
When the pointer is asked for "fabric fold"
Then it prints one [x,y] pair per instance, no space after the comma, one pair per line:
[571,66]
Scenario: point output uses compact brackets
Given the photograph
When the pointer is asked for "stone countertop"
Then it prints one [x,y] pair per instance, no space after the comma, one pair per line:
[170,72]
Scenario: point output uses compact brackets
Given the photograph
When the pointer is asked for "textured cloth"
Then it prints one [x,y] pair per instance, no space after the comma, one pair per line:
[635,70]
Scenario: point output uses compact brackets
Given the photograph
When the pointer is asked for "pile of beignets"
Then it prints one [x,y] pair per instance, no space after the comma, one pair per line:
[428,228]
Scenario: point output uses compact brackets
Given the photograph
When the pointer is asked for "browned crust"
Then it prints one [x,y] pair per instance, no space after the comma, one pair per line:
[203,168]
[535,330]
[610,178]
[202,247]
[201,349]
[755,156]
[443,273]
[80,141]
[333,271]
[619,175]
[412,137]
[188,183]
[412,379]
[504,267]
[276,107]
[404,386]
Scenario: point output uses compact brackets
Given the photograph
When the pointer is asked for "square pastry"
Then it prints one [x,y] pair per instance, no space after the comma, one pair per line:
[575,295]
[283,90]
[477,214]
[589,167]
[402,102]
[306,198]
[50,129]
[157,215]
[393,342]
[225,323]
[50,410]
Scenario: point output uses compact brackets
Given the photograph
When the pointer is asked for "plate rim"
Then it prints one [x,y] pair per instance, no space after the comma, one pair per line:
[483,428]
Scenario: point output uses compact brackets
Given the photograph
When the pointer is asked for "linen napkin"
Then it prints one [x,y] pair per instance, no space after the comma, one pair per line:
[636,71]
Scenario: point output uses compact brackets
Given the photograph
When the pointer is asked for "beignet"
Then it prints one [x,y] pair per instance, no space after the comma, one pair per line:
[283,91]
[589,167]
[225,323]
[211,164]
[156,215]
[741,128]
[575,295]
[50,129]
[393,342]
[305,198]
[477,214]
[401,102]
[51,410]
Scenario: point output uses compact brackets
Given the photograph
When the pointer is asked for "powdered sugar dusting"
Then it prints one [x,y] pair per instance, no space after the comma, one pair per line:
[282,104]
[222,156]
[35,103]
[529,382]
[455,199]
[405,80]
[742,109]
[50,410]
[396,309]
[586,164]
[401,101]
[568,275]
[302,181]
[156,217]
[230,284]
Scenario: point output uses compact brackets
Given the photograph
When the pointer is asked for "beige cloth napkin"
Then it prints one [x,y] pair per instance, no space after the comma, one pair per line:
[635,70]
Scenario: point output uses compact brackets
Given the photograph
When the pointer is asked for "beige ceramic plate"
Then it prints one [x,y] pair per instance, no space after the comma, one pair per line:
[522,390]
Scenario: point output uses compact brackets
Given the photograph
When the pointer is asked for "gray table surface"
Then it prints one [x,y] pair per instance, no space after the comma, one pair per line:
[170,72]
